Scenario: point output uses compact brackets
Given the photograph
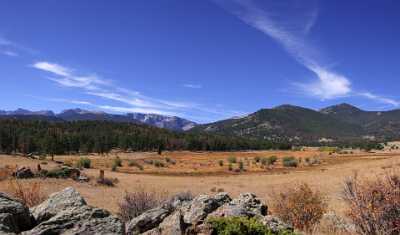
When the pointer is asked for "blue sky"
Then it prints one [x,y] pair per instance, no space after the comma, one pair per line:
[202,60]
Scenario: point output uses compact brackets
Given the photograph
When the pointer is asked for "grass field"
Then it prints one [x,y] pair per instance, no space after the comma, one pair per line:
[202,172]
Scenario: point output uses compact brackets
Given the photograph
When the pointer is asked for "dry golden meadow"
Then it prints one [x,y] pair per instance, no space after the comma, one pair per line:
[202,172]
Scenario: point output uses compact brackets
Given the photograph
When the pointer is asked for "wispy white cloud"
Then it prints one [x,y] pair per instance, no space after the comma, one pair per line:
[329,84]
[52,68]
[379,99]
[10,48]
[9,53]
[134,101]
[193,86]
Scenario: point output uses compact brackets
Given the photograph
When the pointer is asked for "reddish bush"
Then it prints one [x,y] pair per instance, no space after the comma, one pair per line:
[300,206]
[30,193]
[374,205]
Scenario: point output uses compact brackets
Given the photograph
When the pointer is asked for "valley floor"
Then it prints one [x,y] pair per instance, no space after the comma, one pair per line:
[328,176]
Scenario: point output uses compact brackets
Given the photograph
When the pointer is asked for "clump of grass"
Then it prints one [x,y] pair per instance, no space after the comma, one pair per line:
[272,160]
[232,159]
[83,162]
[269,160]
[158,163]
[290,162]
[117,161]
[257,159]
[221,162]
[230,167]
[135,164]
[29,193]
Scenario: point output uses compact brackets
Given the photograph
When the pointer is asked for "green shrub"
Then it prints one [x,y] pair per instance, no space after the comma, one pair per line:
[117,161]
[241,226]
[64,172]
[136,164]
[272,160]
[221,162]
[230,167]
[114,167]
[290,162]
[168,160]
[57,173]
[158,164]
[264,161]
[83,162]
[232,159]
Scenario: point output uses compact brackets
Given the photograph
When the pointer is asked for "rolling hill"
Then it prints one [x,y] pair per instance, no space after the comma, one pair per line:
[298,124]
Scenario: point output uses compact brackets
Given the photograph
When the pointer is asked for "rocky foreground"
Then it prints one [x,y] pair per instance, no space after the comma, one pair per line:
[67,212]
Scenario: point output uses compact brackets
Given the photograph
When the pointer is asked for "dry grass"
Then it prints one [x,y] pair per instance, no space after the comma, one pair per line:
[30,193]
[327,177]
[6,172]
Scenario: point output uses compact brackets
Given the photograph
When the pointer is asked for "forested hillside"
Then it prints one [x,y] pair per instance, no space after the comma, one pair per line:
[44,137]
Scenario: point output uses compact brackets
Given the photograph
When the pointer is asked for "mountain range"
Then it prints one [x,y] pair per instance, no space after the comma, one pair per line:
[340,122]
[297,124]
[161,121]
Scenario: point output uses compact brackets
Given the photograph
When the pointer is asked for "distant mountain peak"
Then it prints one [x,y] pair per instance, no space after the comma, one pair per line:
[341,108]
[287,106]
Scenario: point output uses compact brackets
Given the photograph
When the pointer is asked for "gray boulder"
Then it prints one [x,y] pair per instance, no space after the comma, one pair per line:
[57,203]
[275,224]
[173,224]
[148,220]
[80,220]
[14,216]
[203,205]
[246,204]
[66,212]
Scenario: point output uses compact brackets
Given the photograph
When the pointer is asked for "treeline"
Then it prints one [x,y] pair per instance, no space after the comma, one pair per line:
[52,138]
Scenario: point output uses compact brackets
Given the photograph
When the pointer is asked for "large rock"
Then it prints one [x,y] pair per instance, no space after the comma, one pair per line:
[14,216]
[173,224]
[69,198]
[23,173]
[148,220]
[246,204]
[80,220]
[66,212]
[203,205]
